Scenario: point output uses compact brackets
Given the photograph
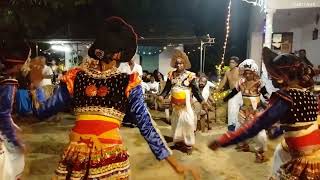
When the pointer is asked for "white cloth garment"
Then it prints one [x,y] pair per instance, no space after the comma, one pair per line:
[233,109]
[47,71]
[125,68]
[145,87]
[183,120]
[261,141]
[11,163]
[205,93]
[154,86]
[210,84]
[280,156]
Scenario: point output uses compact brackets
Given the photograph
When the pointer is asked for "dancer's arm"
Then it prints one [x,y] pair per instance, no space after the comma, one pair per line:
[151,134]
[264,92]
[146,125]
[60,99]
[167,88]
[7,95]
[56,103]
[278,108]
[233,92]
[196,91]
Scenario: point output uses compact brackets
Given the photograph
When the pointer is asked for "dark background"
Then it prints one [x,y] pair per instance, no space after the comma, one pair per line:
[80,19]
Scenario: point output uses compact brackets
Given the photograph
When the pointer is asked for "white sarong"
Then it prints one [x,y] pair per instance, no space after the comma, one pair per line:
[234,105]
[183,120]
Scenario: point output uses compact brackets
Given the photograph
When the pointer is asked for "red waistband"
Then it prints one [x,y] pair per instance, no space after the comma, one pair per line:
[304,141]
[94,127]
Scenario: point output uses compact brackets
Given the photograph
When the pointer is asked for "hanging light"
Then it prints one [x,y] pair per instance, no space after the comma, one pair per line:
[227,32]
[61,48]
[165,47]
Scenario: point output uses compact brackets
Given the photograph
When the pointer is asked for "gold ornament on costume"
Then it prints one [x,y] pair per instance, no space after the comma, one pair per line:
[99,53]
[91,90]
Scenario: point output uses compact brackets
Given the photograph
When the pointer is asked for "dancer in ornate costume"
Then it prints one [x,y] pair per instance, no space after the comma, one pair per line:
[251,88]
[296,108]
[11,149]
[101,95]
[181,84]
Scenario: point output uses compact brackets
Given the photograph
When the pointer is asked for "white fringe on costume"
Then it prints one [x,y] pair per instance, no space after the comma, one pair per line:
[280,156]
[183,120]
[11,163]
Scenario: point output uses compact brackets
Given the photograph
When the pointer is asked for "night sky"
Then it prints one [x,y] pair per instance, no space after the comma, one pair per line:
[150,18]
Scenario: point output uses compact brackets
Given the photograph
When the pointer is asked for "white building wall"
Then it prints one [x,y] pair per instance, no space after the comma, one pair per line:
[165,58]
[255,30]
[302,39]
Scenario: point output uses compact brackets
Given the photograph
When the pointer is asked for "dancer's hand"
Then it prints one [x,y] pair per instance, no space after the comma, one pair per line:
[182,169]
[214,145]
[160,98]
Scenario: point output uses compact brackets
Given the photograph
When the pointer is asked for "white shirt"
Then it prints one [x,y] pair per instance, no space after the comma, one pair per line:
[125,68]
[210,84]
[154,86]
[145,87]
[205,93]
[47,71]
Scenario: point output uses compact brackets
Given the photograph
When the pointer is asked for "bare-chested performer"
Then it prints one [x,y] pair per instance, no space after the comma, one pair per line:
[232,77]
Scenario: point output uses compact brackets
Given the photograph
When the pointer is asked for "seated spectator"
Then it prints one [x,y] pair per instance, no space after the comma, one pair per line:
[203,119]
[130,67]
[153,85]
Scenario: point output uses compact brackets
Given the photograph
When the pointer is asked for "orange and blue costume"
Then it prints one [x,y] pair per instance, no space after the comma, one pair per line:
[100,100]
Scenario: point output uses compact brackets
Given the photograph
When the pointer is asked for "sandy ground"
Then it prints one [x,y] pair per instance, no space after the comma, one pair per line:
[46,140]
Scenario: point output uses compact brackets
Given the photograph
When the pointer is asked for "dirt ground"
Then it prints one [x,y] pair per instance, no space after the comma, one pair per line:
[46,140]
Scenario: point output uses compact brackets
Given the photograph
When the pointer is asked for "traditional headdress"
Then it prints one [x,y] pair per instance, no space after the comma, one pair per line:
[249,64]
[287,67]
[115,36]
[180,55]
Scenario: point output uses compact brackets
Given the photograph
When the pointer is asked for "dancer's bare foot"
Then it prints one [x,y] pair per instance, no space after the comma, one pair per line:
[243,148]
[260,157]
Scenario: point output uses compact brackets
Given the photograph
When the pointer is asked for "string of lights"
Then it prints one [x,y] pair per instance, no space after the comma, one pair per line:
[259,3]
[227,33]
[161,49]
